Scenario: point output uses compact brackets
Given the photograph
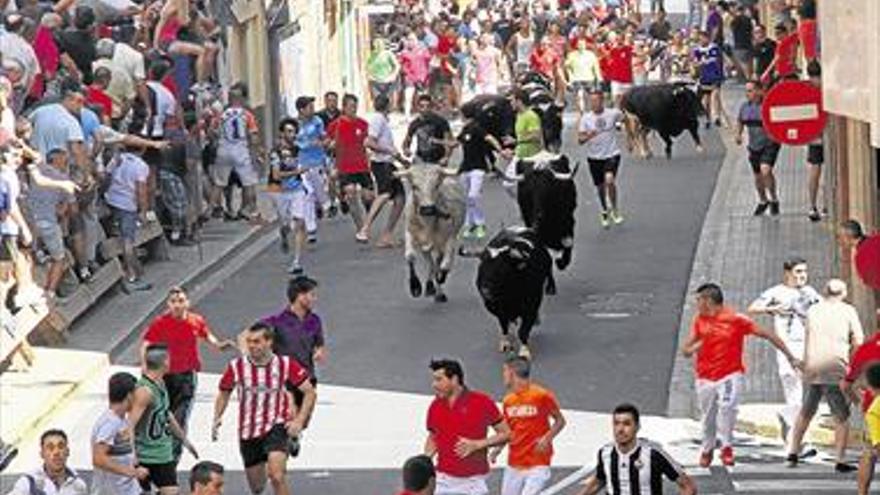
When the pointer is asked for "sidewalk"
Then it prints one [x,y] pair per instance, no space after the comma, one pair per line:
[30,397]
[744,255]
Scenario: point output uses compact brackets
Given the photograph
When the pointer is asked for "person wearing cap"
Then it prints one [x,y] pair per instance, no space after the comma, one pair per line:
[833,332]
[312,141]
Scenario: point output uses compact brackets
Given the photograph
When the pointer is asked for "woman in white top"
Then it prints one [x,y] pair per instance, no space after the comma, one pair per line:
[520,46]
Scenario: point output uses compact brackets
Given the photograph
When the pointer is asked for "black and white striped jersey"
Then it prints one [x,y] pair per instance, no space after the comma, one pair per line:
[639,472]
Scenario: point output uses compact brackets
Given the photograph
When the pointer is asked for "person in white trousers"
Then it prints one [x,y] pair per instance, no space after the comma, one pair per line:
[788,303]
[717,338]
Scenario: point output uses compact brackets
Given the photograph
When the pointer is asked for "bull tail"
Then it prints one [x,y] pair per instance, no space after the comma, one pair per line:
[464,252]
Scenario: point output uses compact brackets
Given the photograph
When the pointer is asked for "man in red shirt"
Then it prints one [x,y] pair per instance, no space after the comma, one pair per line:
[717,337]
[96,93]
[348,135]
[784,61]
[618,68]
[419,477]
[458,420]
[180,330]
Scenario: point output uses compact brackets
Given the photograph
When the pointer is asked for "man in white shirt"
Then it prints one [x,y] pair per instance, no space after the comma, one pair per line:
[53,477]
[598,132]
[833,332]
[788,303]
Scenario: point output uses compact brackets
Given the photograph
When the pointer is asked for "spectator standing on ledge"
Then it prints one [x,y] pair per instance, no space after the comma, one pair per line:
[180,329]
[54,476]
[458,420]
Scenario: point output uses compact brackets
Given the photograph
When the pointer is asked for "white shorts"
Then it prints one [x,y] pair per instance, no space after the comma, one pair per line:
[524,481]
[231,158]
[291,205]
[619,88]
[453,485]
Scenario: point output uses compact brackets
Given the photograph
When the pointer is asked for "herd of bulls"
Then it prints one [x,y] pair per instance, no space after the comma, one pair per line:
[515,267]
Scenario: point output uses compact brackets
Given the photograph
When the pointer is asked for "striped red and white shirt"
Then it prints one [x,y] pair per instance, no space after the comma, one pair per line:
[263,401]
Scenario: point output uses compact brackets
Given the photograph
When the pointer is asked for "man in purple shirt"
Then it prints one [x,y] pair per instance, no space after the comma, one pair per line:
[298,331]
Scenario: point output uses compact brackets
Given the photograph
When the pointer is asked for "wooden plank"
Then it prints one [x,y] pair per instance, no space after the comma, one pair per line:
[23,324]
[70,308]
[112,247]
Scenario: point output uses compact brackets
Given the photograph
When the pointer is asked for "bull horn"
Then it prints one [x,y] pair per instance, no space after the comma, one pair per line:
[402,172]
[449,171]
[470,253]
[567,176]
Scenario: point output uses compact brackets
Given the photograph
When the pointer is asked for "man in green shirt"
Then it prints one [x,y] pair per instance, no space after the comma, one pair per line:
[529,137]
[154,424]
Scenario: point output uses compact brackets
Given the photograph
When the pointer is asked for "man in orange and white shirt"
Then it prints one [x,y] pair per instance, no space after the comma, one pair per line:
[717,338]
[534,418]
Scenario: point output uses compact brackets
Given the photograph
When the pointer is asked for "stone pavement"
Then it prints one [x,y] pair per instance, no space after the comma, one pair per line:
[745,255]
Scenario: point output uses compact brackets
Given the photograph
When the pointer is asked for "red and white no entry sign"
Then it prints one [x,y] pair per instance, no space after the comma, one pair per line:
[792,112]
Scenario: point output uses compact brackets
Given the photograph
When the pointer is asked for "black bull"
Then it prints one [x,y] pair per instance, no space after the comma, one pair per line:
[669,109]
[514,269]
[547,198]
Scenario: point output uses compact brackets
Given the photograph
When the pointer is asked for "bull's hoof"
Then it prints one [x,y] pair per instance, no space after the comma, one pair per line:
[537,321]
[524,352]
[430,288]
[669,155]
[504,345]
[550,290]
[440,298]
[415,287]
[441,276]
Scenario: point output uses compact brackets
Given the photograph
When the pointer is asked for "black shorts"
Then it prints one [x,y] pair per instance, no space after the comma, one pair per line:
[359,178]
[598,168]
[256,450]
[816,154]
[767,154]
[161,475]
[386,182]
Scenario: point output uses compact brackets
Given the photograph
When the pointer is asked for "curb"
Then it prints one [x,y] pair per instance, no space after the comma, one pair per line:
[59,402]
[681,401]
[257,237]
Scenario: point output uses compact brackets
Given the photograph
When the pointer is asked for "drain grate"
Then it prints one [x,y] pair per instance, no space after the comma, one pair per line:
[616,305]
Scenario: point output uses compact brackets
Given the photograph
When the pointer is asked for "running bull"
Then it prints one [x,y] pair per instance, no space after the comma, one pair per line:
[434,212]
[669,109]
[496,115]
[514,270]
[547,198]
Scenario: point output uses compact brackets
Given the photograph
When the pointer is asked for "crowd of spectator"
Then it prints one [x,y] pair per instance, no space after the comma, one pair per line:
[109,116]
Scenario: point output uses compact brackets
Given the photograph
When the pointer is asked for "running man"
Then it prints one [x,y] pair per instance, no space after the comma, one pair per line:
[788,303]
[155,424]
[478,149]
[311,158]
[717,338]
[180,329]
[431,131]
[458,420]
[634,465]
[266,427]
[115,471]
[598,131]
[289,193]
[763,151]
[815,152]
[348,134]
[533,415]
[529,136]
[380,142]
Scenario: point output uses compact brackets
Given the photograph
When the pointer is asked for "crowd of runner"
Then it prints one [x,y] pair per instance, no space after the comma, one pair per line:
[110,124]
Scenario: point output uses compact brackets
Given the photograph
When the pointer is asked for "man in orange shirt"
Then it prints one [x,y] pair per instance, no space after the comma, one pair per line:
[717,337]
[528,409]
